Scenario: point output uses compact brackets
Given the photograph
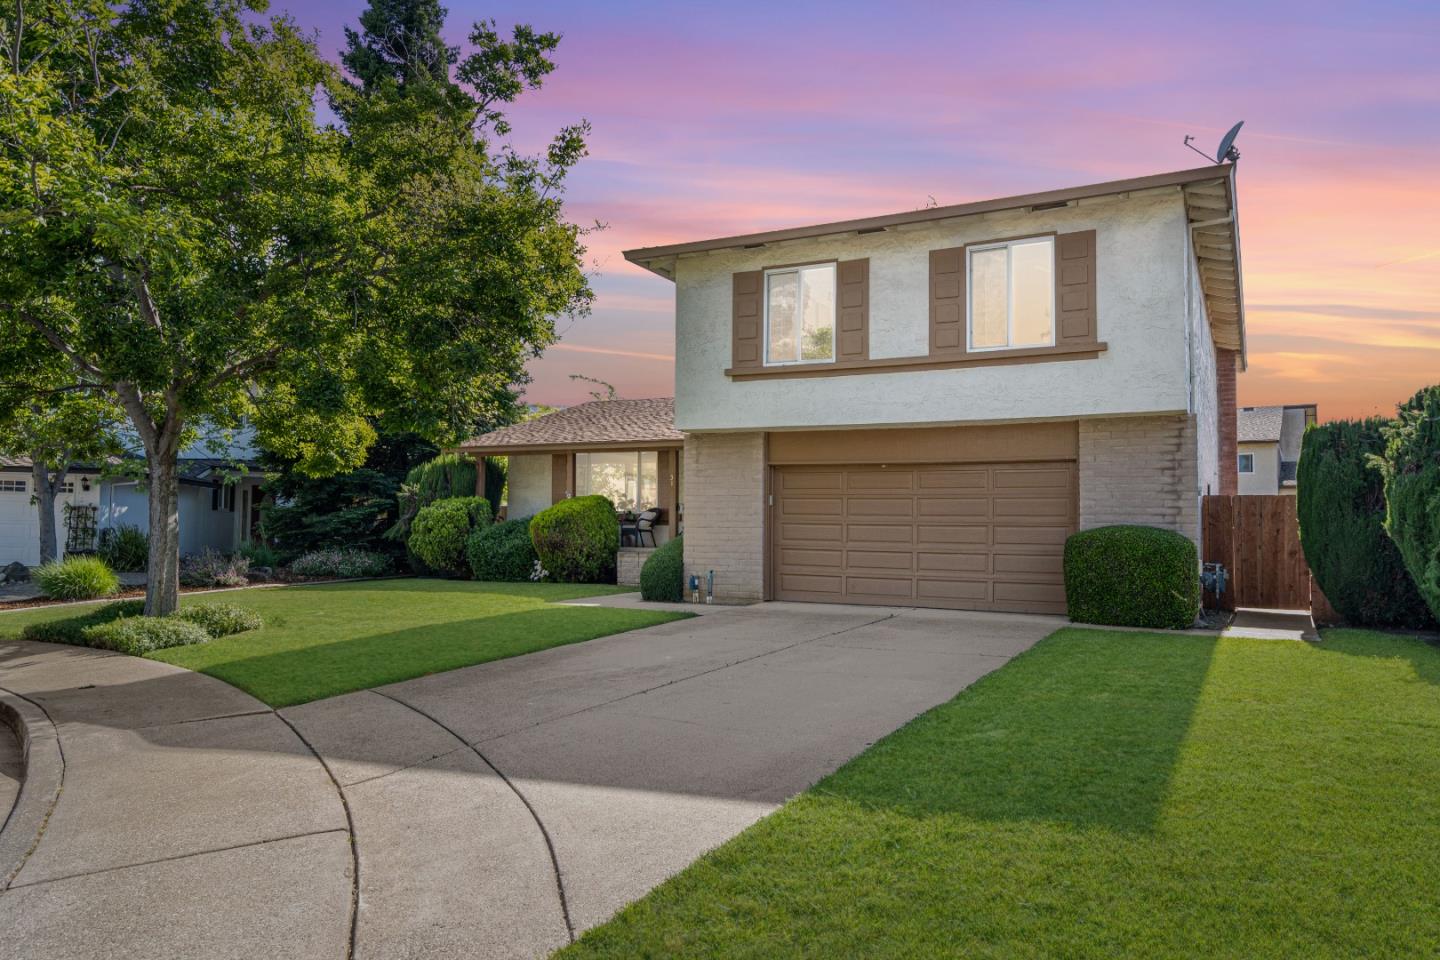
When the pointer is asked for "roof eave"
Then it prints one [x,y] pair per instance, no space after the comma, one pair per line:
[661,259]
[513,449]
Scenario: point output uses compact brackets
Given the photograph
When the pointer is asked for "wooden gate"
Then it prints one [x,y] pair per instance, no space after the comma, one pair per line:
[1257,538]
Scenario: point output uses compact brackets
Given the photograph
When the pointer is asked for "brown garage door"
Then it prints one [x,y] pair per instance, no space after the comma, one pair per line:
[963,536]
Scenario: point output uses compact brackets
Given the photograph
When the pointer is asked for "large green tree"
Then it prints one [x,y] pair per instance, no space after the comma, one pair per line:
[181,230]
[1411,467]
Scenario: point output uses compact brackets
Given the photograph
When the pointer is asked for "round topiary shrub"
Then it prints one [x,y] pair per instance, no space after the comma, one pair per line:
[662,579]
[1411,469]
[440,531]
[1132,576]
[76,578]
[502,551]
[577,540]
[1340,499]
[140,635]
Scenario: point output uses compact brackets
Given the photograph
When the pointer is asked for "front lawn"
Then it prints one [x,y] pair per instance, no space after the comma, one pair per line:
[320,640]
[1104,795]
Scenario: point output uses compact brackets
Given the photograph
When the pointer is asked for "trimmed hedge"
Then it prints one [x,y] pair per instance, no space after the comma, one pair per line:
[71,629]
[140,635]
[662,579]
[577,540]
[440,531]
[221,619]
[1412,491]
[1132,576]
[502,551]
[1340,499]
[76,578]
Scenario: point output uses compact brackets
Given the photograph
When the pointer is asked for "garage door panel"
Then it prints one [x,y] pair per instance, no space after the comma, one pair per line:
[812,532]
[858,508]
[962,507]
[971,536]
[886,588]
[800,557]
[880,480]
[879,560]
[953,562]
[954,480]
[975,592]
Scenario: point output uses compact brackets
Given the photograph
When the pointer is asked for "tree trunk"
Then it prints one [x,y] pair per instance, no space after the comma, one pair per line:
[162,587]
[45,503]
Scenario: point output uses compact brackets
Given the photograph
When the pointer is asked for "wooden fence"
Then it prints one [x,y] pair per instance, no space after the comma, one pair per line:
[1257,538]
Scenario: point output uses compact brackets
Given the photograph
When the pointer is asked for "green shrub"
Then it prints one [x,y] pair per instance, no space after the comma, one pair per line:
[221,619]
[71,629]
[1340,499]
[577,539]
[502,551]
[140,635]
[341,562]
[76,578]
[440,531]
[124,548]
[259,554]
[1411,467]
[662,579]
[211,568]
[445,477]
[1132,576]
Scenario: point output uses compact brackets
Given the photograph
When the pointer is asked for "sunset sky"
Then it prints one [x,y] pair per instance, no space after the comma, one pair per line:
[722,118]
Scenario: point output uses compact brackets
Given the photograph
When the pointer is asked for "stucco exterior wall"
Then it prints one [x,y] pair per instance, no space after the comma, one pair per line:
[126,504]
[527,485]
[1266,478]
[1140,297]
[1140,470]
[725,512]
[1204,385]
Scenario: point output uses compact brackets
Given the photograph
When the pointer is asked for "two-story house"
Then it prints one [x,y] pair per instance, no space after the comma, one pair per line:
[918,409]
[1267,444]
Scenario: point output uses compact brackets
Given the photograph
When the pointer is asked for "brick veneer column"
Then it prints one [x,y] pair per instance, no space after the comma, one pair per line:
[725,512]
[1227,368]
[1140,470]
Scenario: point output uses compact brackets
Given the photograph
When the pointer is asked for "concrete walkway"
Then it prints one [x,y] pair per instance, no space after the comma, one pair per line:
[1272,625]
[496,811]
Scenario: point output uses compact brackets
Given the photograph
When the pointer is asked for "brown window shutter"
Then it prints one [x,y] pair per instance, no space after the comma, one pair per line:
[1075,287]
[747,327]
[853,322]
[947,302]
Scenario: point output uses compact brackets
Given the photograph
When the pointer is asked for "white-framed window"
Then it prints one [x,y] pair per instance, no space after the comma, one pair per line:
[800,314]
[1011,289]
[630,479]
[67,487]
[1246,463]
[13,486]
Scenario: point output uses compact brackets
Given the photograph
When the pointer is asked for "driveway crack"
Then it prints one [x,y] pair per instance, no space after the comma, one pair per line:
[520,795]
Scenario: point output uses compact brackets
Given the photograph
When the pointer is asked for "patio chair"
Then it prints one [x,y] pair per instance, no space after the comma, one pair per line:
[635,530]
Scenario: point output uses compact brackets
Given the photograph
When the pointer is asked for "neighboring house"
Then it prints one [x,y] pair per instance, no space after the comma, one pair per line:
[1268,446]
[217,509]
[627,450]
[918,409]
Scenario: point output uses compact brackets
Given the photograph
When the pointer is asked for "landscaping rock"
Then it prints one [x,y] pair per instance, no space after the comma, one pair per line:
[15,572]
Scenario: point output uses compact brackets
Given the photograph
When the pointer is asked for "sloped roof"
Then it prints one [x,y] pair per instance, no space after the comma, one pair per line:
[597,423]
[1259,424]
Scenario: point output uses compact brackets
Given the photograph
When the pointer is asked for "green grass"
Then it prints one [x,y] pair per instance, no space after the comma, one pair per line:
[1104,795]
[321,640]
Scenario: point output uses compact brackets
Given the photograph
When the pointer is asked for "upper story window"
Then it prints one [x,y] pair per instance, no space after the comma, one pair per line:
[1246,463]
[800,314]
[1012,294]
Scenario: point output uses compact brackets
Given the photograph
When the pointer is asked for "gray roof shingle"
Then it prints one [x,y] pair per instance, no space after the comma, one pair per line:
[1259,424]
[596,422]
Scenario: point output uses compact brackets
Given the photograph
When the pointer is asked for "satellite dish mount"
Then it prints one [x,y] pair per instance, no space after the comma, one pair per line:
[1226,152]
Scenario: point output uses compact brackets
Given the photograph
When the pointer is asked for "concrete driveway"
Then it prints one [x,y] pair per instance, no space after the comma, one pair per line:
[499,810]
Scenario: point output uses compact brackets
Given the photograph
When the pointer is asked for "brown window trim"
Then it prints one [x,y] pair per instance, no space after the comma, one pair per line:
[840,368]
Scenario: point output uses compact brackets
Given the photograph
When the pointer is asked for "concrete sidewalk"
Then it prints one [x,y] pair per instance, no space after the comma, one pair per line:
[183,819]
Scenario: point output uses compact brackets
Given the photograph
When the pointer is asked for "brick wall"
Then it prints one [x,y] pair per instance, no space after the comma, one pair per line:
[628,563]
[1226,370]
[725,512]
[1140,470]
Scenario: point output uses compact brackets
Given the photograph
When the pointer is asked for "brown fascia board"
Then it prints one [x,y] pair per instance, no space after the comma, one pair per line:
[511,449]
[643,255]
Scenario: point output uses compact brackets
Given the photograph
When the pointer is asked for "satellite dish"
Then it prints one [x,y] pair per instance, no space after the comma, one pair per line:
[1227,149]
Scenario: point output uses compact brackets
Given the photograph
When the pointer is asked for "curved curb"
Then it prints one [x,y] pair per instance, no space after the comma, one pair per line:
[44,776]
